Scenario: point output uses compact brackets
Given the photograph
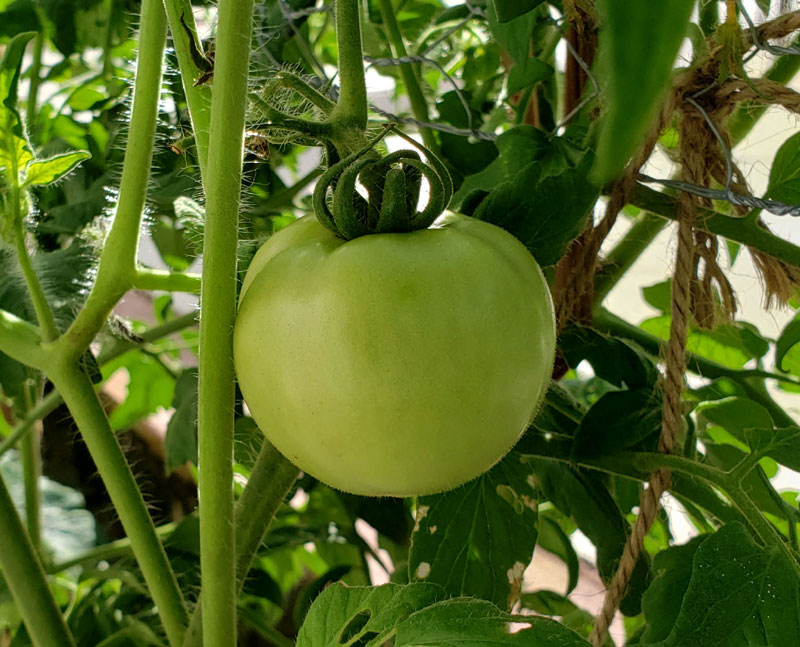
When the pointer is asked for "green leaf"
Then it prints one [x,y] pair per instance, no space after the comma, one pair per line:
[463,622]
[554,540]
[507,10]
[787,340]
[784,175]
[732,578]
[465,157]
[18,17]
[618,361]
[658,296]
[456,543]
[735,415]
[545,213]
[14,149]
[390,517]
[517,148]
[43,172]
[661,603]
[550,603]
[617,421]
[10,67]
[585,498]
[513,36]
[638,46]
[732,345]
[782,445]
[342,615]
[180,444]
[527,74]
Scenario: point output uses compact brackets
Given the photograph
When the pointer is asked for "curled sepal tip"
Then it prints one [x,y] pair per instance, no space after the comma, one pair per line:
[392,183]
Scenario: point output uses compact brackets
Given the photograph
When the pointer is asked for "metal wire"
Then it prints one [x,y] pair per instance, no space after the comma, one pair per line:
[772,206]
[767,47]
[391,62]
[587,70]
[444,128]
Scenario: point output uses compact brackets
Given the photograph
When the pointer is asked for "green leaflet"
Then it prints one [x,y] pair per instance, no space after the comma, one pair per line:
[638,45]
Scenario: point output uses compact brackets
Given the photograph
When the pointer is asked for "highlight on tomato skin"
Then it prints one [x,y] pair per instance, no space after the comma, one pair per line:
[394,364]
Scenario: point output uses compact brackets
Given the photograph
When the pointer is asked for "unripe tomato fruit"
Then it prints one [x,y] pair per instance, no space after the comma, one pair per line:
[394,364]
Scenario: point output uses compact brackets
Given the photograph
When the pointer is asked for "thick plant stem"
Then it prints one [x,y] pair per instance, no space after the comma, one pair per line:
[351,109]
[117,268]
[271,479]
[84,405]
[198,97]
[419,104]
[218,298]
[50,402]
[24,575]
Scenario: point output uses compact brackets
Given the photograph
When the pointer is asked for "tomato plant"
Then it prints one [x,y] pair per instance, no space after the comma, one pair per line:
[493,258]
[394,364]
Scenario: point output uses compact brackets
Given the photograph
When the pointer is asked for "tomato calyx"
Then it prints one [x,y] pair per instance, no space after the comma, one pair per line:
[393,183]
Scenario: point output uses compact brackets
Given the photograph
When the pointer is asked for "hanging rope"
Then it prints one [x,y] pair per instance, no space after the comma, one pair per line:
[671,421]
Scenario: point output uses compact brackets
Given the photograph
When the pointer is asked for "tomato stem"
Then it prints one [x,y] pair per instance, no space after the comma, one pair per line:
[79,394]
[223,182]
[25,577]
[351,109]
[270,480]
[197,96]
[117,267]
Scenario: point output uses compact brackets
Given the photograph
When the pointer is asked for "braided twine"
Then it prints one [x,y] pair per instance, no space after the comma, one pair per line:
[700,290]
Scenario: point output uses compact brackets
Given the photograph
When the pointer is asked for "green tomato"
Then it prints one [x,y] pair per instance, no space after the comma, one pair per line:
[394,364]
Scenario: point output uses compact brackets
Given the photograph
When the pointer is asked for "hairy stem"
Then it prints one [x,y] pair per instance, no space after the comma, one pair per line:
[351,109]
[741,230]
[117,267]
[272,477]
[85,407]
[150,279]
[44,314]
[25,577]
[107,551]
[50,402]
[197,96]
[419,104]
[218,297]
